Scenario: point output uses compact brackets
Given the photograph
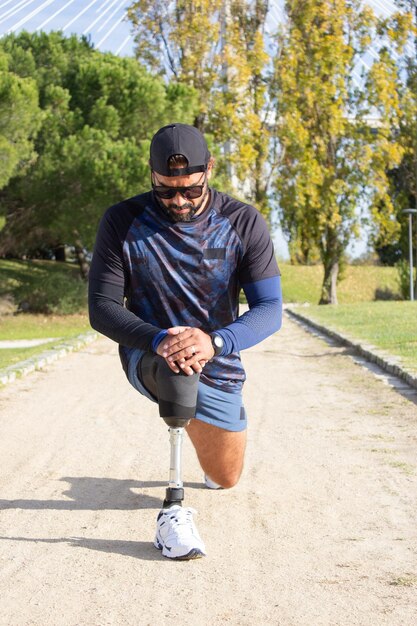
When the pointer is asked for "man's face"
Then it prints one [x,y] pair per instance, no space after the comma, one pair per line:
[179,208]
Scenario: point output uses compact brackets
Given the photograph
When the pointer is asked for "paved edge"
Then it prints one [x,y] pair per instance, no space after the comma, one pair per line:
[38,362]
[369,352]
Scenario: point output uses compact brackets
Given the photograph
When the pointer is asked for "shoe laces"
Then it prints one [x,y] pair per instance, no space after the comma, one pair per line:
[181,520]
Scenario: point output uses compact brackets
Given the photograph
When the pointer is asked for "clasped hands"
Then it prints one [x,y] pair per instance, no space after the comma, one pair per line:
[186,349]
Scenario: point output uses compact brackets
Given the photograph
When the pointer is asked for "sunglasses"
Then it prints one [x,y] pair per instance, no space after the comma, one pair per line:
[189,193]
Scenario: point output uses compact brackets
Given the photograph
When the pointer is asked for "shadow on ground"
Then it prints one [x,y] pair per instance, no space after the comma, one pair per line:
[144,550]
[96,494]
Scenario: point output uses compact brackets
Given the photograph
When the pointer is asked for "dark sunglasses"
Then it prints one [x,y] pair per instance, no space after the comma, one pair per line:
[189,193]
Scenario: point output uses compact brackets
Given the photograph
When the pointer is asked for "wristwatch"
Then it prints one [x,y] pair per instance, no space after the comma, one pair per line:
[217,343]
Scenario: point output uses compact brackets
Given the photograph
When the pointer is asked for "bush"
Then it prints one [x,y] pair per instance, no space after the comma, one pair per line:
[62,294]
[403,278]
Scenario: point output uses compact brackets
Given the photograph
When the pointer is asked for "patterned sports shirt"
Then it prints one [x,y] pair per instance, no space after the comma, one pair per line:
[150,273]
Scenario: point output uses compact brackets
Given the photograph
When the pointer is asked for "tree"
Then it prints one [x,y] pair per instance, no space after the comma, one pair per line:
[397,31]
[98,171]
[99,112]
[391,96]
[20,119]
[241,111]
[181,40]
[218,49]
[331,162]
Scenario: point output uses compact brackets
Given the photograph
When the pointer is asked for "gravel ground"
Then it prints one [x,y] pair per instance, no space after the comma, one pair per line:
[320,531]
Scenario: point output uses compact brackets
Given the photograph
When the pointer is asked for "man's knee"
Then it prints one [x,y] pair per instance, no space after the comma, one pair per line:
[177,393]
[226,478]
[180,383]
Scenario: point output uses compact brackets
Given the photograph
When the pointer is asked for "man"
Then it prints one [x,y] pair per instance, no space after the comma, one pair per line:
[165,278]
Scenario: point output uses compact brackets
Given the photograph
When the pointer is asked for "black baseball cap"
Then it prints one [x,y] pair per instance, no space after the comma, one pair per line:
[179,139]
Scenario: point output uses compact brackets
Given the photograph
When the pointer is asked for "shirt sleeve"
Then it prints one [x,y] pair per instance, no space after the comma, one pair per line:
[263,318]
[258,261]
[107,290]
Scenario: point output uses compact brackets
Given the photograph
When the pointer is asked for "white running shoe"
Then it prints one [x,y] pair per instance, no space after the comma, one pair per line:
[210,484]
[177,535]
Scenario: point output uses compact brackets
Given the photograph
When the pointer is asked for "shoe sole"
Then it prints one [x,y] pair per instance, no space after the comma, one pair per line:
[194,553]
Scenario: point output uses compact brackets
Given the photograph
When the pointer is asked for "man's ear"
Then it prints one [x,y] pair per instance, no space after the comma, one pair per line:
[210,166]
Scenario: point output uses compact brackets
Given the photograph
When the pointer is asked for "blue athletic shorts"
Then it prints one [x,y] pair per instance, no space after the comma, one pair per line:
[214,406]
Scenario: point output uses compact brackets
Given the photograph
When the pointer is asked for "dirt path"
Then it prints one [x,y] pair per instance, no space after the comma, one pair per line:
[320,531]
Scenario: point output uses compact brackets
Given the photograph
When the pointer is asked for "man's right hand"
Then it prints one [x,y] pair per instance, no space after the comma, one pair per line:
[181,364]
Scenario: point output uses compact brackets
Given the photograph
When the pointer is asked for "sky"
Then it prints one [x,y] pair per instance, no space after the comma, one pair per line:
[102,20]
[105,23]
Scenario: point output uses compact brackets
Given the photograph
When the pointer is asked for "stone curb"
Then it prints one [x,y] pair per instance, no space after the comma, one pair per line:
[388,363]
[38,362]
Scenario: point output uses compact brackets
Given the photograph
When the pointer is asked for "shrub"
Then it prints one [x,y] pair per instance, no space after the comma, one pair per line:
[62,294]
[403,278]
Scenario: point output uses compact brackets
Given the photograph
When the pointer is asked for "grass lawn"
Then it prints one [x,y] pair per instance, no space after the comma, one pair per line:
[12,356]
[43,286]
[391,326]
[360,283]
[55,287]
[26,326]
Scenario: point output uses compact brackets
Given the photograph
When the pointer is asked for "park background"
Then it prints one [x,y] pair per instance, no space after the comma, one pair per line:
[309,107]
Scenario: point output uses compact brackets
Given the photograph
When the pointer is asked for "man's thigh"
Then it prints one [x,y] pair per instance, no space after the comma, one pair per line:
[176,394]
[220,452]
[219,434]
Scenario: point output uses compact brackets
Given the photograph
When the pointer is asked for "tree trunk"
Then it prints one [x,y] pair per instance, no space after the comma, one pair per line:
[81,257]
[199,122]
[328,289]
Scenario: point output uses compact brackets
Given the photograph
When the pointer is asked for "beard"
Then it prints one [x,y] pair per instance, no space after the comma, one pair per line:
[171,209]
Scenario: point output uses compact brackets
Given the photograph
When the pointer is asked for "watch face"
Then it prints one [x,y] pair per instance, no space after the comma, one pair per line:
[218,344]
[218,341]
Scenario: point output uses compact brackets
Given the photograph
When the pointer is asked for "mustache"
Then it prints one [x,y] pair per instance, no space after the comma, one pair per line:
[187,205]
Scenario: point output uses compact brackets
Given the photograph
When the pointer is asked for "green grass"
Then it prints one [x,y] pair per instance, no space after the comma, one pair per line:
[15,273]
[13,356]
[26,326]
[364,311]
[390,326]
[43,286]
[360,283]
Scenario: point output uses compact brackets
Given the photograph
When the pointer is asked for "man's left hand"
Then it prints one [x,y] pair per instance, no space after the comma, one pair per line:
[188,347]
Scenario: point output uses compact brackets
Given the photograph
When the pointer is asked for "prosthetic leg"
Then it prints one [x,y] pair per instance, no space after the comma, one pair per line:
[175,491]
[177,395]
[176,534]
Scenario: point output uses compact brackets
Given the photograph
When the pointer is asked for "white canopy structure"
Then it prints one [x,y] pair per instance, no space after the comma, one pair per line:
[104,21]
